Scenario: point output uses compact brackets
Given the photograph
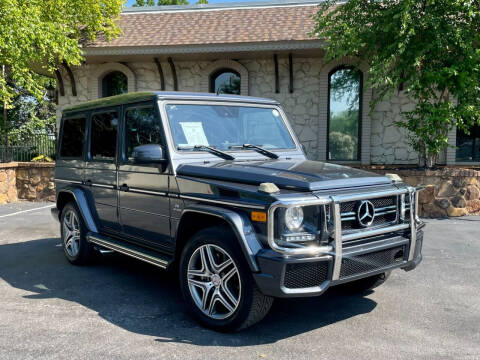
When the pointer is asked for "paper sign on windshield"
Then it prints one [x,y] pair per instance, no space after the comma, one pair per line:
[194,133]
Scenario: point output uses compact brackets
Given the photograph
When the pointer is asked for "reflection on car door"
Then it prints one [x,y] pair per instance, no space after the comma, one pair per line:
[143,204]
[101,168]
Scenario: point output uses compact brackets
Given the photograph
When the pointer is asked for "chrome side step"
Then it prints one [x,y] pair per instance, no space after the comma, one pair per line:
[131,250]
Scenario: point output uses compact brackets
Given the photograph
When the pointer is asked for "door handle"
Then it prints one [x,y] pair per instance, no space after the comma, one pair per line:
[124,187]
[88,183]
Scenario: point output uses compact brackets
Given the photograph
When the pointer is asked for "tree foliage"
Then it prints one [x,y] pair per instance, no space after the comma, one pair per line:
[144,3]
[42,34]
[428,48]
[159,2]
[29,115]
[165,2]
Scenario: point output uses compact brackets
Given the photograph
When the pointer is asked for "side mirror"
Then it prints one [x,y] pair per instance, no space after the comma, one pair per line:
[150,153]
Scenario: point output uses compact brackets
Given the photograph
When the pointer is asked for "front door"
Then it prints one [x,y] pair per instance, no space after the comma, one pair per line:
[101,168]
[143,204]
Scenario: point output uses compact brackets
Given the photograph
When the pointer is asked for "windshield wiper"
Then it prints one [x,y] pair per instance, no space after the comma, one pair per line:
[258,149]
[209,149]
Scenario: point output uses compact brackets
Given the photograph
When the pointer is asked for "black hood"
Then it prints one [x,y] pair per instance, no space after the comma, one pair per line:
[304,175]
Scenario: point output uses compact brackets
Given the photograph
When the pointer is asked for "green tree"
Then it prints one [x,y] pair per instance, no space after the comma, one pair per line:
[30,115]
[144,3]
[428,48]
[165,2]
[41,34]
[172,2]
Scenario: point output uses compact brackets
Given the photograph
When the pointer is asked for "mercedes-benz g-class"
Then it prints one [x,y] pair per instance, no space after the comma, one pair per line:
[218,188]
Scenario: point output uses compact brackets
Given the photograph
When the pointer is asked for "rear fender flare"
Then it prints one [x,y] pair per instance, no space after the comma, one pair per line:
[83,205]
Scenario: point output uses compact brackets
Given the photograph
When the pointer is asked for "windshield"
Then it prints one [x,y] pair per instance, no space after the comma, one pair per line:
[225,127]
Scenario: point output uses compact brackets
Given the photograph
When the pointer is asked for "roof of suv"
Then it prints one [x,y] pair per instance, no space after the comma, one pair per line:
[164,95]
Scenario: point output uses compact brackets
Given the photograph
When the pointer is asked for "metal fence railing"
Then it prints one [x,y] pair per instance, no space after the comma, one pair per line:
[27,149]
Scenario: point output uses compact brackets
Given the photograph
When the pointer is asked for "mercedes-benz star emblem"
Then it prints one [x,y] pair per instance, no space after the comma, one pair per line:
[365,213]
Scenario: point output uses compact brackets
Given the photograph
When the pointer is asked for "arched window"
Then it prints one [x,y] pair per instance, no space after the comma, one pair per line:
[225,81]
[114,83]
[344,114]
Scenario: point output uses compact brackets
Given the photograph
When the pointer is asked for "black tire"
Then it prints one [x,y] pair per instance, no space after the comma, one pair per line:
[363,285]
[85,251]
[252,305]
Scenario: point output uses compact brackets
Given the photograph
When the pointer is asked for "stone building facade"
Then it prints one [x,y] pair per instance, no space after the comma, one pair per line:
[287,66]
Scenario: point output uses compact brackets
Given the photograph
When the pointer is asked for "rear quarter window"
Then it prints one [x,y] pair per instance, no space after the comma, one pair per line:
[73,135]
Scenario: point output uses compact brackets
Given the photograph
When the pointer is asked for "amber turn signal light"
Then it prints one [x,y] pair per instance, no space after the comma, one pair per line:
[259,216]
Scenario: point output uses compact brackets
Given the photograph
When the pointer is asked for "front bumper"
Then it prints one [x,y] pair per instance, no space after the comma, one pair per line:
[302,275]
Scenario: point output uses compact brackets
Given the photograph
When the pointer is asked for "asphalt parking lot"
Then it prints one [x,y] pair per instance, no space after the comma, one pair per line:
[123,309]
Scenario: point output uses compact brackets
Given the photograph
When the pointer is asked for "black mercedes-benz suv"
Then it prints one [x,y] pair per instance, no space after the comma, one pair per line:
[218,188]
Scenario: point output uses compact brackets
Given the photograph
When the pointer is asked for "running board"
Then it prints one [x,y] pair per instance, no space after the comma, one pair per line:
[137,252]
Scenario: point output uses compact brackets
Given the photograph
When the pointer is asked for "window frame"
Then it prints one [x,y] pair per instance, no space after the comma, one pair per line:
[98,111]
[144,104]
[215,74]
[78,115]
[360,113]
[474,143]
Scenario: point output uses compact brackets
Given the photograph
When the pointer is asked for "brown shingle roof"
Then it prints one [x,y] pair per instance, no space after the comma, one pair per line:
[225,26]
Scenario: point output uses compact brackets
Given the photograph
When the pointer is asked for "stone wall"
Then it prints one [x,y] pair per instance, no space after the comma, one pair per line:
[449,191]
[305,107]
[389,142]
[8,183]
[27,181]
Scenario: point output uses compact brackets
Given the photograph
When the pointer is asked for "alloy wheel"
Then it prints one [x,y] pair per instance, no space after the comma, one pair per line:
[71,233]
[214,281]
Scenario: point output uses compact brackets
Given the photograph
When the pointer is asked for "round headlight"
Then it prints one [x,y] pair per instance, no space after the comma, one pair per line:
[294,218]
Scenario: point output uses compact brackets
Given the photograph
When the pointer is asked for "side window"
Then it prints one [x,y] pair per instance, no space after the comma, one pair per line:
[141,128]
[72,138]
[103,140]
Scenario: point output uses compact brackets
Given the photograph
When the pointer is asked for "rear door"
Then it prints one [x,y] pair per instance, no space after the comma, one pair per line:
[101,166]
[143,204]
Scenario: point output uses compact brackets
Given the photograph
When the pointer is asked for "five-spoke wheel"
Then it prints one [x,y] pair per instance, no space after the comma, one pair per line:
[73,231]
[217,284]
[214,281]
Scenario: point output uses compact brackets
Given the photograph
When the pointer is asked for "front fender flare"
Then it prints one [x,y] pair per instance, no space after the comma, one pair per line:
[241,227]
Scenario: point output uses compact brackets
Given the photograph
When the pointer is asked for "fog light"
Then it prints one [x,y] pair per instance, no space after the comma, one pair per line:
[298,237]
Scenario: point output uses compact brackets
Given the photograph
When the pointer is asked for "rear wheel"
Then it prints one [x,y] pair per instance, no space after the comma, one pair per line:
[73,233]
[217,284]
[363,285]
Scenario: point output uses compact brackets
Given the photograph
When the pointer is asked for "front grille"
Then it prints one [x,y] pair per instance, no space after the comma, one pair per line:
[305,275]
[364,263]
[385,213]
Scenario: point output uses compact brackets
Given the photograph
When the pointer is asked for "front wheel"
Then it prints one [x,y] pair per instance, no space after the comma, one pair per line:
[217,284]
